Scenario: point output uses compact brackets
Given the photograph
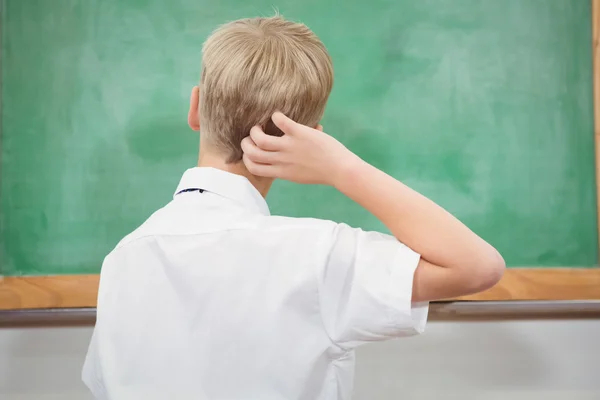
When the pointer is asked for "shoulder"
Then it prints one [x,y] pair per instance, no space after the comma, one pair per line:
[337,239]
[338,231]
[275,221]
[153,224]
[302,226]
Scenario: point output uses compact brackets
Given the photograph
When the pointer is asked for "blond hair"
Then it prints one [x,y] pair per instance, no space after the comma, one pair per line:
[254,67]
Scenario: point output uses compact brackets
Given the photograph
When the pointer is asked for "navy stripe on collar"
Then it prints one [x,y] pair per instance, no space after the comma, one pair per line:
[191,190]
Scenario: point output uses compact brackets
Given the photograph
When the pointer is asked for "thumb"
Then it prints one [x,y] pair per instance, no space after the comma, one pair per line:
[284,123]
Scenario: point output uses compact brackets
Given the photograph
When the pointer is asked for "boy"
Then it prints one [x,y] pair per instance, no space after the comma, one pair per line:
[213,298]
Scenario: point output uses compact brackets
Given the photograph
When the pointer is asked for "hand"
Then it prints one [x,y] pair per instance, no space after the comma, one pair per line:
[302,154]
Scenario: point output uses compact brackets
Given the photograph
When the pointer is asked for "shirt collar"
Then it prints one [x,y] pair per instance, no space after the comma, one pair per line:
[231,186]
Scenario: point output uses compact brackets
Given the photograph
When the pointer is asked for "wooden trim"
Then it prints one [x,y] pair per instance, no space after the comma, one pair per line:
[544,284]
[596,84]
[77,291]
[68,291]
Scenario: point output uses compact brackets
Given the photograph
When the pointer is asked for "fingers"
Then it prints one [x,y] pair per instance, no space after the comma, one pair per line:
[257,154]
[258,169]
[264,141]
[286,125]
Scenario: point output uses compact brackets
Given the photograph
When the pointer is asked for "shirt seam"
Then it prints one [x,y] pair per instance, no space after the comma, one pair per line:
[336,345]
[138,238]
[126,242]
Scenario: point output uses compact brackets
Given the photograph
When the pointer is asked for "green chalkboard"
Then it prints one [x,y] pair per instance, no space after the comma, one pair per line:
[483,105]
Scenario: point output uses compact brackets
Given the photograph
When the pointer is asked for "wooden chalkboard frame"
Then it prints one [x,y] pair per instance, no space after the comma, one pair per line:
[528,284]
[75,291]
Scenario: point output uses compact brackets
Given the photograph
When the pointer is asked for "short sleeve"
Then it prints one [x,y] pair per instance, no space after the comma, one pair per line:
[365,288]
[91,373]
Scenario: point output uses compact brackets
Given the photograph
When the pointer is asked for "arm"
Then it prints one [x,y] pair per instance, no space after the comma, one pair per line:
[454,260]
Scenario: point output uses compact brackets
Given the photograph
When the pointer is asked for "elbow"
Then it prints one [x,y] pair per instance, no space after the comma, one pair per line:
[488,271]
[491,271]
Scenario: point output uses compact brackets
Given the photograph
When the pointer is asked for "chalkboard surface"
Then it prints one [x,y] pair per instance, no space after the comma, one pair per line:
[483,105]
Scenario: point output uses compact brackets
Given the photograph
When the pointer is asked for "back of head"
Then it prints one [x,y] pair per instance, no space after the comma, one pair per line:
[254,67]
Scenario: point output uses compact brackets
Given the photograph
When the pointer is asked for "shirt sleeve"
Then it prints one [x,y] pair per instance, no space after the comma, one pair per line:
[365,289]
[91,372]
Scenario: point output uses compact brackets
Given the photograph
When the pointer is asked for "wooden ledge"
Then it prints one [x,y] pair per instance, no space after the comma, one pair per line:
[544,284]
[523,284]
[60,291]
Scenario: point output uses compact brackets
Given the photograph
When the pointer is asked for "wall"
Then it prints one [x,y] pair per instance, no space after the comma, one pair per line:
[478,360]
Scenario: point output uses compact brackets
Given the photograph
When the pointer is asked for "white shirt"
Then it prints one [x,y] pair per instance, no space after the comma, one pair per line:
[213,298]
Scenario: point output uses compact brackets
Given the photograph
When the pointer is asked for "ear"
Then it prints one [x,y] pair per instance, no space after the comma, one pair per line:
[319,127]
[193,117]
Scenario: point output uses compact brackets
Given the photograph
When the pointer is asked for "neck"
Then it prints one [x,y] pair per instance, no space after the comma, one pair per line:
[213,160]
